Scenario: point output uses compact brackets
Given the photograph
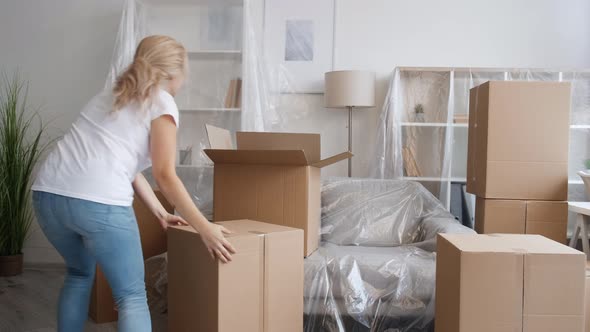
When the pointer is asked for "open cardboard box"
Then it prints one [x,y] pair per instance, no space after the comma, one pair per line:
[270,177]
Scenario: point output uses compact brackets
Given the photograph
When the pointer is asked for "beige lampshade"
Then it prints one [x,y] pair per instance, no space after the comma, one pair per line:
[345,88]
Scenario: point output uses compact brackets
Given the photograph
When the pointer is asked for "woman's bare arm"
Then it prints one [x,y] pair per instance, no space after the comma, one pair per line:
[145,192]
[163,153]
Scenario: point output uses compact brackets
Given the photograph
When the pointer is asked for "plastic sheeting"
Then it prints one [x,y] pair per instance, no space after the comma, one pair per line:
[419,112]
[224,40]
[369,289]
[369,212]
[156,283]
[375,269]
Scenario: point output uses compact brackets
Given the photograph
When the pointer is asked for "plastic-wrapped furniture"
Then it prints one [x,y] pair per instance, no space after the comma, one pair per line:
[375,269]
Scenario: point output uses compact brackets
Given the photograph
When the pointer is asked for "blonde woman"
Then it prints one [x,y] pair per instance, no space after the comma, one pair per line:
[84,190]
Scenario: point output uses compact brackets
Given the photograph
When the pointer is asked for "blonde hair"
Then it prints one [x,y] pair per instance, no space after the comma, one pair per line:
[156,59]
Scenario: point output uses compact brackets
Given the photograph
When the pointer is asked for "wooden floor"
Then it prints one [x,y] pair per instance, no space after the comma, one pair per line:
[28,303]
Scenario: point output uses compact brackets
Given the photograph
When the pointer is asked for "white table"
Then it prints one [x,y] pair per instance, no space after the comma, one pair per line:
[582,224]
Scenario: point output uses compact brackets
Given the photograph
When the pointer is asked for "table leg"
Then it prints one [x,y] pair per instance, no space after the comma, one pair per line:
[585,243]
[575,235]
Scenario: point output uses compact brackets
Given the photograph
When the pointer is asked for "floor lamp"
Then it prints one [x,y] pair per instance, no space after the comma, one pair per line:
[349,89]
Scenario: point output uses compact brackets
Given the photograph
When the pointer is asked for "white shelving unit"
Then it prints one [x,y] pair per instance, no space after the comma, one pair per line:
[213,33]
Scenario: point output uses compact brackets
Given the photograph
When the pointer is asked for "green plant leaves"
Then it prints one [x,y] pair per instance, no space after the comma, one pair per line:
[21,133]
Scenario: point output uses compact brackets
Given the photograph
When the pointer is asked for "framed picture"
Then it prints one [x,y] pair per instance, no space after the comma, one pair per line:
[299,42]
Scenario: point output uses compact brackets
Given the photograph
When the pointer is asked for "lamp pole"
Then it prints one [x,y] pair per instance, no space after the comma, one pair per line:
[349,140]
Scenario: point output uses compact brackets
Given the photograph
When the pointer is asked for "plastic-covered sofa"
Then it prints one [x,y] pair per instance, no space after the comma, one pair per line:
[375,268]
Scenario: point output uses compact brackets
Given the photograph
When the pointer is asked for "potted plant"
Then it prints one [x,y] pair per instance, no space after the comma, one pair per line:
[20,148]
[418,113]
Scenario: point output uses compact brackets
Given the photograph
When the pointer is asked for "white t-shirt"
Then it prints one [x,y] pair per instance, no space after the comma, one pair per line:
[99,157]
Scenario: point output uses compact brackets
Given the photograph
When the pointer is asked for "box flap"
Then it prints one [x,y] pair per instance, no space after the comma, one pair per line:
[478,242]
[254,227]
[332,160]
[258,157]
[309,143]
[219,138]
[508,243]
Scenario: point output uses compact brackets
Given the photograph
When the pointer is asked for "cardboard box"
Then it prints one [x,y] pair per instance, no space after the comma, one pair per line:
[506,282]
[102,305]
[271,177]
[500,216]
[153,243]
[261,289]
[518,140]
[547,218]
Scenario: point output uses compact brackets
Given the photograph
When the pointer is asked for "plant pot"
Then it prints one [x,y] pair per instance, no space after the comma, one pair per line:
[11,265]
[419,117]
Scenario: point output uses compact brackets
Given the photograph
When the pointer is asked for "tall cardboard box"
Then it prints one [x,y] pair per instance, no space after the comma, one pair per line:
[270,177]
[518,140]
[508,283]
[547,218]
[261,289]
[153,243]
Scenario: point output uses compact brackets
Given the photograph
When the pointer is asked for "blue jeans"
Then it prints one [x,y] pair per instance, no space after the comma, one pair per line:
[86,233]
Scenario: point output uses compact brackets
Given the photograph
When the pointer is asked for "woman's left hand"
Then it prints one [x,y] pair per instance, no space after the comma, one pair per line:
[171,220]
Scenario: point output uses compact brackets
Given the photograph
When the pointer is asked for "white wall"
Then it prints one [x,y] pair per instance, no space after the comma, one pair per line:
[64,48]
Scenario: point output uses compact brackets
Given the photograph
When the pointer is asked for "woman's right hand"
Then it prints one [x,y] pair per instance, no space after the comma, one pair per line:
[216,243]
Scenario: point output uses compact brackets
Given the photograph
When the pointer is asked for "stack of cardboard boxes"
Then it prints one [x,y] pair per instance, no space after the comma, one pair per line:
[517,168]
[518,157]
